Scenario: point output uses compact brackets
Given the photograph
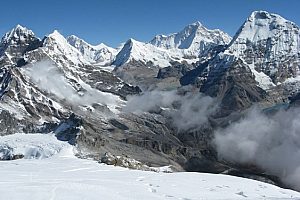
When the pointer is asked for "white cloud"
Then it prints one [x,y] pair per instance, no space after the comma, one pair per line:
[271,142]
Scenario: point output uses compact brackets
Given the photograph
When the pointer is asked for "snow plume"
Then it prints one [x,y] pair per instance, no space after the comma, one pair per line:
[187,111]
[50,78]
[271,142]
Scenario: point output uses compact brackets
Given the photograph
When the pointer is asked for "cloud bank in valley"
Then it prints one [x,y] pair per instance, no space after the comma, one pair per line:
[271,142]
[186,111]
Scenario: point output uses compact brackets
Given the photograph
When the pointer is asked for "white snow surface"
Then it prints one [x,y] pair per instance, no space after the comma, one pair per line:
[193,40]
[143,52]
[64,176]
[36,146]
[264,81]
[284,35]
[57,44]
[100,54]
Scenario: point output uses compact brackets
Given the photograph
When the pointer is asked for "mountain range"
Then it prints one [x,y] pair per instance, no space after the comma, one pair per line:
[114,104]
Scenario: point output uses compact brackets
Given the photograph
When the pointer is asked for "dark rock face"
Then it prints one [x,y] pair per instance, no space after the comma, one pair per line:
[17,42]
[295,100]
[176,70]
[235,86]
[107,82]
[232,82]
[68,129]
[144,138]
[138,73]
[4,80]
[206,165]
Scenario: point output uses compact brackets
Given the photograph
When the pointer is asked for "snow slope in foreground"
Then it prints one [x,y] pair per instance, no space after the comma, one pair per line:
[63,176]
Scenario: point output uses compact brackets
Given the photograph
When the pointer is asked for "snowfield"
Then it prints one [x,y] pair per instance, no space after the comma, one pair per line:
[64,176]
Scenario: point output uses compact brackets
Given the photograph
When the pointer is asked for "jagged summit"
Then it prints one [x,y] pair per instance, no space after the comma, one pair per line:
[56,35]
[76,42]
[130,42]
[192,42]
[191,37]
[134,50]
[100,54]
[262,25]
[16,42]
[17,33]
[265,51]
[21,29]
[269,44]
[261,14]
[56,38]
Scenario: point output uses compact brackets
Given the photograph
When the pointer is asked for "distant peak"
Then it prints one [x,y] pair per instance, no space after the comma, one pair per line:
[21,29]
[197,23]
[56,35]
[101,45]
[264,15]
[77,42]
[18,26]
[16,32]
[261,25]
[74,39]
[55,32]
[131,40]
[73,36]
[194,26]
[260,14]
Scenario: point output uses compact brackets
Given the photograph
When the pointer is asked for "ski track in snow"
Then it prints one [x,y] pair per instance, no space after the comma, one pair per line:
[63,176]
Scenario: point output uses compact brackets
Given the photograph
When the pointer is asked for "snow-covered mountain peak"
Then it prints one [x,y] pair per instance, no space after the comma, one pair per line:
[100,54]
[269,44]
[57,39]
[78,42]
[278,35]
[134,50]
[192,35]
[264,15]
[57,46]
[18,33]
[22,29]
[262,25]
[101,46]
[197,23]
[16,42]
[131,41]
[194,40]
[57,36]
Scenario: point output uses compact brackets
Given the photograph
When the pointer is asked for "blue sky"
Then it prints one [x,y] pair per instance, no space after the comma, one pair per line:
[114,21]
